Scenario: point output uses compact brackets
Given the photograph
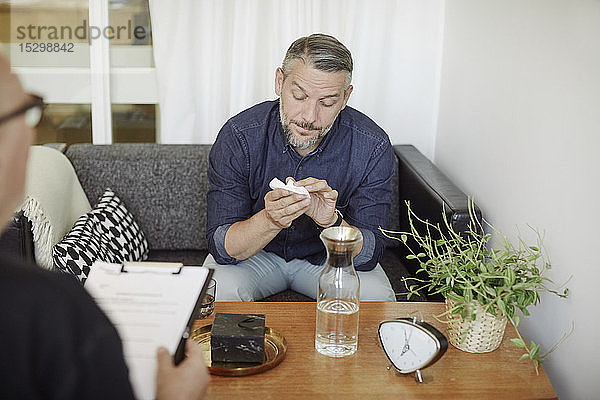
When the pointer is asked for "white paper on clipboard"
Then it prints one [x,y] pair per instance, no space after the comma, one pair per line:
[150,305]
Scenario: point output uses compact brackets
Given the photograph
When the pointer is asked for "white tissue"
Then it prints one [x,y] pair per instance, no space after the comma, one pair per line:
[277,184]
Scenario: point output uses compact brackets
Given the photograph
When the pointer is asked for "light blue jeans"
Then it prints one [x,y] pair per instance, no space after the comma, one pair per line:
[265,274]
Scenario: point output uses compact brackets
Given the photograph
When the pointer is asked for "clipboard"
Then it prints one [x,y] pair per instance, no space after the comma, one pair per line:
[174,269]
[180,352]
[151,305]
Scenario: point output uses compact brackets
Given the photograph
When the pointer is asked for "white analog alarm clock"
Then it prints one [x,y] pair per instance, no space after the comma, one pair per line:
[411,345]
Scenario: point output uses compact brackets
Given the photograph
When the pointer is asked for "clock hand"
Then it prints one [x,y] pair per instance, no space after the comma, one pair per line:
[406,346]
[410,336]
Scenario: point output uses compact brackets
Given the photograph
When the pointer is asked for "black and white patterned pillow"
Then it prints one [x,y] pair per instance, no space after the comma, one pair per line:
[78,250]
[107,233]
[119,230]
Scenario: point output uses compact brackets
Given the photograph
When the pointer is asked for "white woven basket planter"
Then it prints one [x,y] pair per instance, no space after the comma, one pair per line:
[482,335]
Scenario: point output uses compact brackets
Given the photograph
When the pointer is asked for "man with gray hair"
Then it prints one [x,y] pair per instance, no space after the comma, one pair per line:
[264,240]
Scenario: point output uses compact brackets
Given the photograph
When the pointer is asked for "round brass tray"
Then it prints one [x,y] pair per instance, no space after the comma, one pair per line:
[275,349]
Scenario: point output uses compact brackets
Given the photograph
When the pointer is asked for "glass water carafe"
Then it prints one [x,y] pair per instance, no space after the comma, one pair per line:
[338,296]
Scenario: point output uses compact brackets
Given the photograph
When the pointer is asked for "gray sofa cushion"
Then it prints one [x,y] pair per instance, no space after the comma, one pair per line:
[164,187]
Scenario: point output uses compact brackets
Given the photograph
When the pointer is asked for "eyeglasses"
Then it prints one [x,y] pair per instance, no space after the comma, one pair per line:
[33,111]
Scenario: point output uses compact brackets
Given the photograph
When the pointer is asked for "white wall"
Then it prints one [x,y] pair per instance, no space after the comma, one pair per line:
[519,129]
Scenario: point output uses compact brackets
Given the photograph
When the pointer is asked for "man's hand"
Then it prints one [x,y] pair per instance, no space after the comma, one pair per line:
[246,238]
[188,380]
[282,207]
[323,200]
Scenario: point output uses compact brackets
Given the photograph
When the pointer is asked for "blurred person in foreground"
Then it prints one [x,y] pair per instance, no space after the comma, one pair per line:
[57,343]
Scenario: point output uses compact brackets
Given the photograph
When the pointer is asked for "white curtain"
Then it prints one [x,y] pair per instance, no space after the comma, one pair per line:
[215,58]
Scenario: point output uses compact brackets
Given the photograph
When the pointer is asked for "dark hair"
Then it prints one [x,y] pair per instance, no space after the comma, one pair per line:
[321,51]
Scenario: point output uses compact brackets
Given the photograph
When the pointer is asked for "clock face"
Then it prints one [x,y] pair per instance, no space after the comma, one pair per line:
[410,345]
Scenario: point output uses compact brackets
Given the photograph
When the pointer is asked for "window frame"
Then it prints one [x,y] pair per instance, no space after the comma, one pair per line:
[100,85]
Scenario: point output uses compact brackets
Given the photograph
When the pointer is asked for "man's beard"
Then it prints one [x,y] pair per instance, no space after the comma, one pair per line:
[296,142]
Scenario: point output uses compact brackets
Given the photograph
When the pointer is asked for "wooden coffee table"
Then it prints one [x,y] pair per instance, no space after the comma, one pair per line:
[306,374]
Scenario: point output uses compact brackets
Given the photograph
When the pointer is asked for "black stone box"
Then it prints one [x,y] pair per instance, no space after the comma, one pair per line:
[238,338]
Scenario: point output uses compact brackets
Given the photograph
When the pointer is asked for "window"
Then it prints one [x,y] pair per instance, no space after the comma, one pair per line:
[61,50]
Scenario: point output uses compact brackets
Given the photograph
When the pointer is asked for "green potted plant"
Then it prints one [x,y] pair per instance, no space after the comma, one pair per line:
[483,287]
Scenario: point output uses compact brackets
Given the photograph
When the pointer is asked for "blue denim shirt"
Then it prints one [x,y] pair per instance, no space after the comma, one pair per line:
[355,158]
